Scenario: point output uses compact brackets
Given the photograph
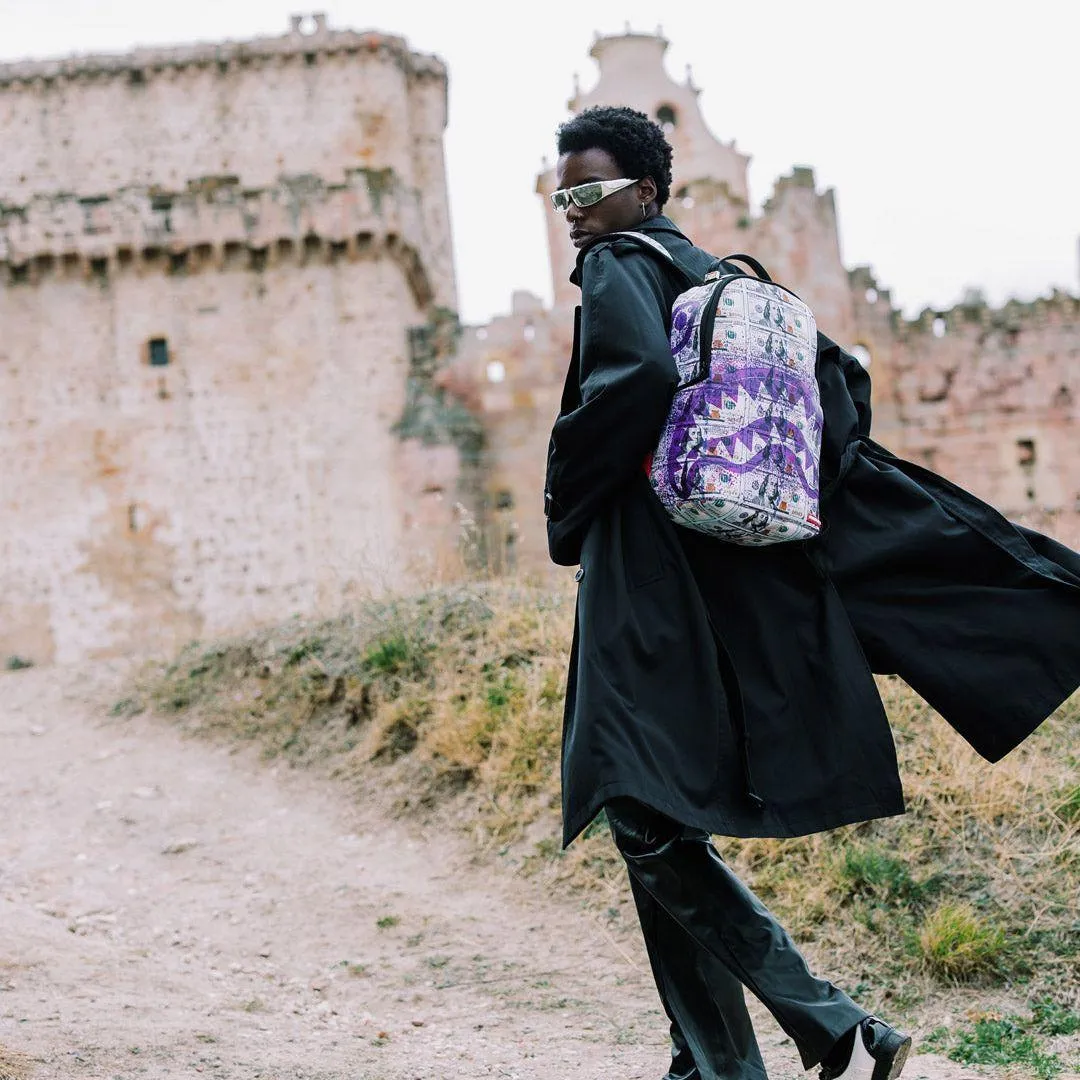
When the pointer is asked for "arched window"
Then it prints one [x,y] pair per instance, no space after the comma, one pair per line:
[667,117]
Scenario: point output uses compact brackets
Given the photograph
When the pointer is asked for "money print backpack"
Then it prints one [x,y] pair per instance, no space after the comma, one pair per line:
[739,455]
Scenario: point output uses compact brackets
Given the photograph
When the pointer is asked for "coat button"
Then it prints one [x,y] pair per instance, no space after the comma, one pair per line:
[580,573]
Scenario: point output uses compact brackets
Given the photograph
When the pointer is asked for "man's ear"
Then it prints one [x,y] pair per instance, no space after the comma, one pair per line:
[646,190]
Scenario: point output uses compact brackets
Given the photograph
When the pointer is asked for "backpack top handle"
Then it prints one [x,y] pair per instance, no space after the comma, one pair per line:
[750,261]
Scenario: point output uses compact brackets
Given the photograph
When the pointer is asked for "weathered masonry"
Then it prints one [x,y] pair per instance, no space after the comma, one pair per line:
[213,260]
[232,382]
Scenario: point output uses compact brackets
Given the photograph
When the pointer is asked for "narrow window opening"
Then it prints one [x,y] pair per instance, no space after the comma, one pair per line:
[496,371]
[667,117]
[939,327]
[158,352]
[529,333]
[1025,458]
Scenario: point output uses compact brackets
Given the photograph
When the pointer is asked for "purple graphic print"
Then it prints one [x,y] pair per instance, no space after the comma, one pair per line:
[739,455]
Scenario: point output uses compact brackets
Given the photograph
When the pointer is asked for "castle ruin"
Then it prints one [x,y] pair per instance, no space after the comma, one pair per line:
[227,317]
[221,267]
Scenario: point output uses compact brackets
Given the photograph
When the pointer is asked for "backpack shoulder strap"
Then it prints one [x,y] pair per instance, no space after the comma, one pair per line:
[649,244]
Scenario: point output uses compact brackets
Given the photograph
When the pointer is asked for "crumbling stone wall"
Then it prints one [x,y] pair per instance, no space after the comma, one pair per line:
[988,397]
[211,262]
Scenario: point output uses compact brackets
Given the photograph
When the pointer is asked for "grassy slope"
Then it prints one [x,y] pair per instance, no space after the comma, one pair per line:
[452,700]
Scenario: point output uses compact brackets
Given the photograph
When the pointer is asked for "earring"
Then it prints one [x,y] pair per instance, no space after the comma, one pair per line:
[642,211]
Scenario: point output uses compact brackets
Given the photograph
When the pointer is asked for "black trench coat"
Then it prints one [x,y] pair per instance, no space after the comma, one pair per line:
[732,687]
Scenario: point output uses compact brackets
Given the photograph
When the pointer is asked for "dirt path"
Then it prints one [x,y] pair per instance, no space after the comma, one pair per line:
[170,909]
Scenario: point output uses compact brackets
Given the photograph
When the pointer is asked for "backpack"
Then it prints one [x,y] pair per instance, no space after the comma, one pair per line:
[739,454]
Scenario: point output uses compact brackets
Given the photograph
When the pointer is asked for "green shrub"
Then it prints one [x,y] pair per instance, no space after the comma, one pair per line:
[866,870]
[958,944]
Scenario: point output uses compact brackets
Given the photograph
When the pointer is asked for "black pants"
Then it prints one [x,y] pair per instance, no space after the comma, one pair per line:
[707,937]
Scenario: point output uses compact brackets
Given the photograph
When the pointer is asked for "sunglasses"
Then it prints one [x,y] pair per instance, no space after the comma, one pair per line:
[587,194]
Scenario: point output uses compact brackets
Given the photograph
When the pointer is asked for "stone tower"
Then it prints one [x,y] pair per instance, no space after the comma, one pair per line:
[632,72]
[222,272]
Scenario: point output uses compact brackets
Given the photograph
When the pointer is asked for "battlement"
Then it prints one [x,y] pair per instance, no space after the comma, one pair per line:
[1012,316]
[866,290]
[972,310]
[215,223]
[309,39]
[801,178]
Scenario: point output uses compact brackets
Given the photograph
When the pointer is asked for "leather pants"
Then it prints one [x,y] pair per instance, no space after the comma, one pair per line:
[708,936]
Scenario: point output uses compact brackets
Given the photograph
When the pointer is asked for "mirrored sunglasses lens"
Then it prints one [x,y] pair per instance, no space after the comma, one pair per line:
[587,194]
[560,200]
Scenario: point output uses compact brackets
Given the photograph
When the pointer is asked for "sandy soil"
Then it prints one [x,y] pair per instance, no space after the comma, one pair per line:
[170,908]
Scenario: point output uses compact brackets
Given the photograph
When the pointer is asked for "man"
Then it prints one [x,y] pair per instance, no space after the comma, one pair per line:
[718,689]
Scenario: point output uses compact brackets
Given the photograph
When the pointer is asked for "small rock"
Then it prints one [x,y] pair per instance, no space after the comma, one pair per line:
[179,847]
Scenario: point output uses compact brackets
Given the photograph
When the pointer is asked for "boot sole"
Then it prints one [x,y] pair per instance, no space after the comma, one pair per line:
[898,1047]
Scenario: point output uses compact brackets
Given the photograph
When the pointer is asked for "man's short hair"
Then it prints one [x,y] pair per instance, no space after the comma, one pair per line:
[637,143]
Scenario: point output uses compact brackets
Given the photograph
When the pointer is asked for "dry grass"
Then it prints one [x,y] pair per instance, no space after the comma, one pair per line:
[452,701]
[14,1066]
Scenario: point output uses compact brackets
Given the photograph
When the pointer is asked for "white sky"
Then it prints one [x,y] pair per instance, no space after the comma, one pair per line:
[948,128]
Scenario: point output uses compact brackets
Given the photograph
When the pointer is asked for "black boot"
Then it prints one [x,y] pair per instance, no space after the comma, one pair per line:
[872,1051]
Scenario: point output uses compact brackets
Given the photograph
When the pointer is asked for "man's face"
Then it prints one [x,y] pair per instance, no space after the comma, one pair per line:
[621,210]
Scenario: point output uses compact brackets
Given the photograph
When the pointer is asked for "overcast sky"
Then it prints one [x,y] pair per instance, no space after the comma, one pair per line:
[947,128]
